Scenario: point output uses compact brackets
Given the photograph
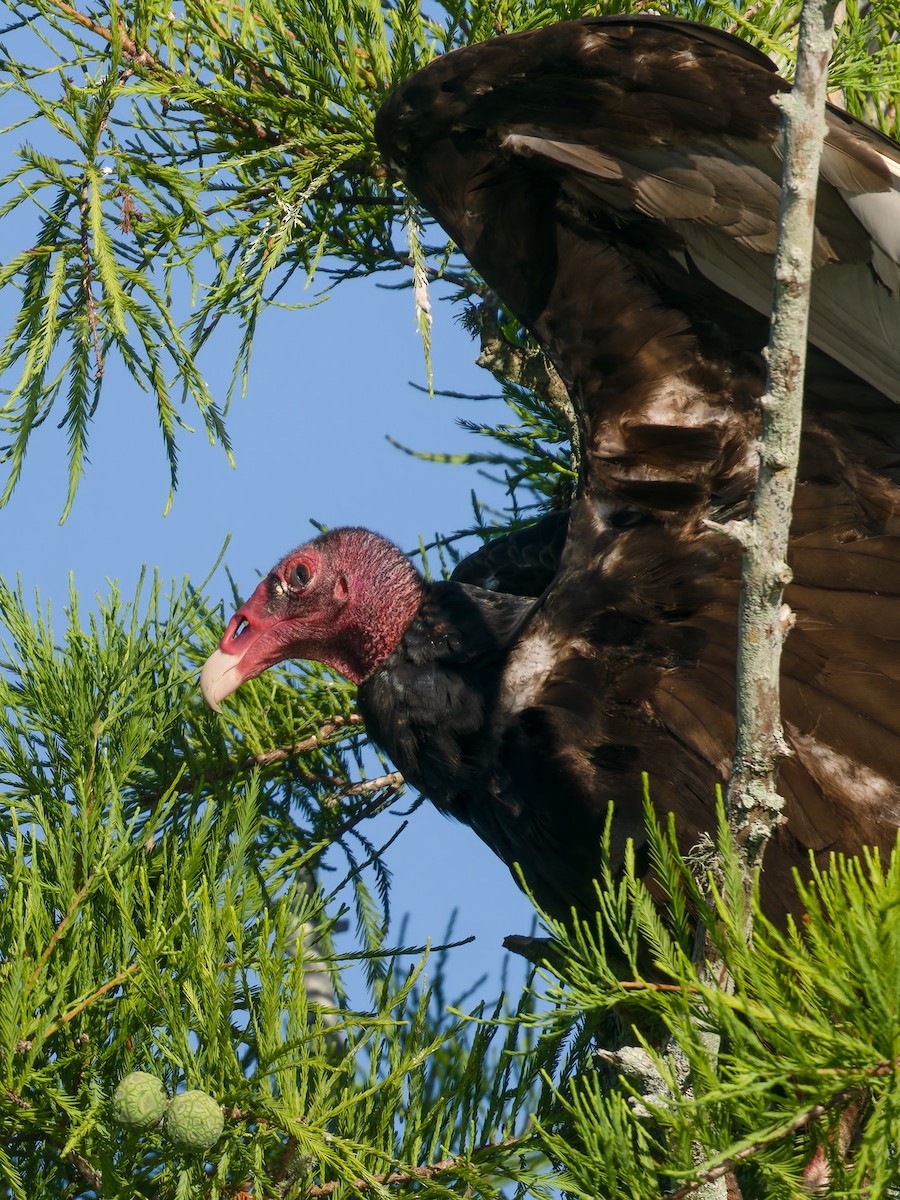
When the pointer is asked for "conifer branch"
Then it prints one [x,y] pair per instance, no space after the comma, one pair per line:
[411,1174]
[141,59]
[89,1000]
[267,758]
[747,1152]
[465,283]
[144,63]
[87,276]
[383,787]
[528,367]
[279,753]
[393,780]
[61,928]
[91,1176]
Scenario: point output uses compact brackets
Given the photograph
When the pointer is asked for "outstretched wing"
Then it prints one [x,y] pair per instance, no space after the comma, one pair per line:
[642,151]
[616,182]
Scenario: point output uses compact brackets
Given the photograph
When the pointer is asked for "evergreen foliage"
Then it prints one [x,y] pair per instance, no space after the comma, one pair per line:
[150,921]
[807,1028]
[155,907]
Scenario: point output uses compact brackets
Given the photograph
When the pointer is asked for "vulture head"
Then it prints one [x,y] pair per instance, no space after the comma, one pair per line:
[343,599]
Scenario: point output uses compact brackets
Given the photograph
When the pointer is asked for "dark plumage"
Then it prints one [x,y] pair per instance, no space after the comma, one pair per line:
[615,180]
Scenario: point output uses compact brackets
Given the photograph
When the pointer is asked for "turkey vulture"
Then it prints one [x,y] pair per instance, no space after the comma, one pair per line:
[615,180]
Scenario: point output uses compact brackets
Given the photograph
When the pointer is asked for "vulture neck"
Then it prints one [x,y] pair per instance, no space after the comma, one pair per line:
[386,594]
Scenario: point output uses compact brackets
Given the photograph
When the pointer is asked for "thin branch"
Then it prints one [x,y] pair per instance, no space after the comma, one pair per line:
[530,369]
[469,286]
[143,62]
[60,929]
[89,1000]
[753,803]
[375,806]
[383,787]
[141,59]
[89,1174]
[285,1159]
[266,758]
[429,1171]
[87,275]
[393,781]
[786,1130]
[746,15]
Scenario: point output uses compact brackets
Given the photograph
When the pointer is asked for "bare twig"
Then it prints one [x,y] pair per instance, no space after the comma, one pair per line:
[380,783]
[753,802]
[386,793]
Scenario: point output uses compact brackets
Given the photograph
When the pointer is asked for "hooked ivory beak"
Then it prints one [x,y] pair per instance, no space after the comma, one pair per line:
[220,677]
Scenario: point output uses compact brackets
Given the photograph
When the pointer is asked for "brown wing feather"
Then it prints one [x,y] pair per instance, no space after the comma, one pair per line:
[615,180]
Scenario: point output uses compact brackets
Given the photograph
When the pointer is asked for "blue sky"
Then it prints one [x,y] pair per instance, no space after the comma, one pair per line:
[327,385]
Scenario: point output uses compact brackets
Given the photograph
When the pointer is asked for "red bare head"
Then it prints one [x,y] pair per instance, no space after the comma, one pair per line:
[344,599]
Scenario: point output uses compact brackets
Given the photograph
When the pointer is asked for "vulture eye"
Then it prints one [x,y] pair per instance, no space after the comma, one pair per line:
[299,576]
